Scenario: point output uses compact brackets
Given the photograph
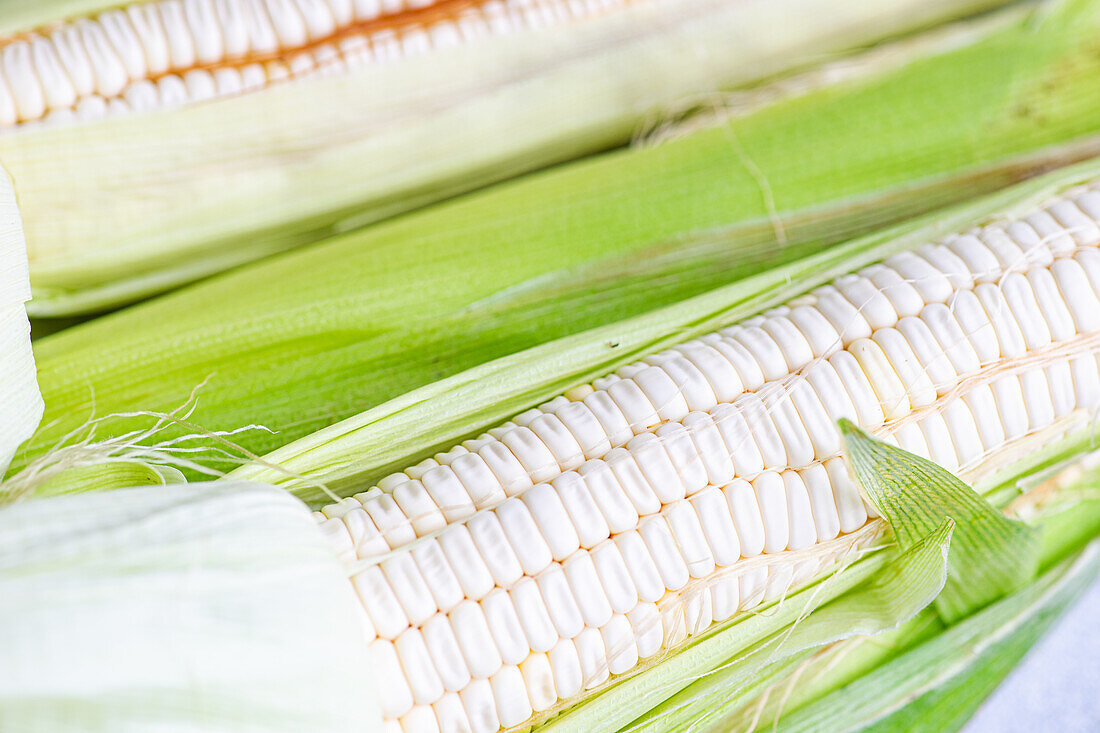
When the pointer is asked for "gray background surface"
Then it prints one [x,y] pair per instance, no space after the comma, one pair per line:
[1057,685]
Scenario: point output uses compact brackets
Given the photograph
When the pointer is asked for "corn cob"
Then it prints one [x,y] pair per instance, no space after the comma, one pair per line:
[165,53]
[491,560]
[276,108]
[585,244]
[510,575]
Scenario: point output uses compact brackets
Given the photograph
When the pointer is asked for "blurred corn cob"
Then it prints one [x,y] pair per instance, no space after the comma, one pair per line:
[155,142]
[371,315]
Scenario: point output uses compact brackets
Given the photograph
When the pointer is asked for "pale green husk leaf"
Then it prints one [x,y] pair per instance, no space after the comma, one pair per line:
[20,401]
[197,607]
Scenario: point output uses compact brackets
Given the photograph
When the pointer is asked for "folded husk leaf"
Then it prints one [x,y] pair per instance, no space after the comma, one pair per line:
[991,556]
[132,205]
[312,337]
[939,683]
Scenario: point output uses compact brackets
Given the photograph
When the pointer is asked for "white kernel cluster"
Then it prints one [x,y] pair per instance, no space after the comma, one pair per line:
[522,568]
[167,53]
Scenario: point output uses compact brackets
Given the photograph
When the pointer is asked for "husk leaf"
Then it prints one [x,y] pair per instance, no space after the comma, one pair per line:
[195,607]
[20,400]
[991,555]
[939,683]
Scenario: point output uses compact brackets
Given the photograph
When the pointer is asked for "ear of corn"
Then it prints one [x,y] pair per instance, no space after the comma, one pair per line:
[599,242]
[716,459]
[20,401]
[185,608]
[95,545]
[356,139]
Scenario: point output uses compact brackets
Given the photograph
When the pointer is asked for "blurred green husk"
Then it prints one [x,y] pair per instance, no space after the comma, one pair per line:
[306,339]
[132,205]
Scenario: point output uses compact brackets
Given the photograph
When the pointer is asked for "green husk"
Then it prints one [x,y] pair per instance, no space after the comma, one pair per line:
[107,476]
[939,683]
[374,315]
[951,703]
[991,556]
[132,205]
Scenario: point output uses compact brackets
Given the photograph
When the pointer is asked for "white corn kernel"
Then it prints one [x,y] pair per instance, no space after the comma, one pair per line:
[566,666]
[385,611]
[393,688]
[442,644]
[538,676]
[480,704]
[662,548]
[504,625]
[643,571]
[474,639]
[614,577]
[533,615]
[717,525]
[419,669]
[523,534]
[549,514]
